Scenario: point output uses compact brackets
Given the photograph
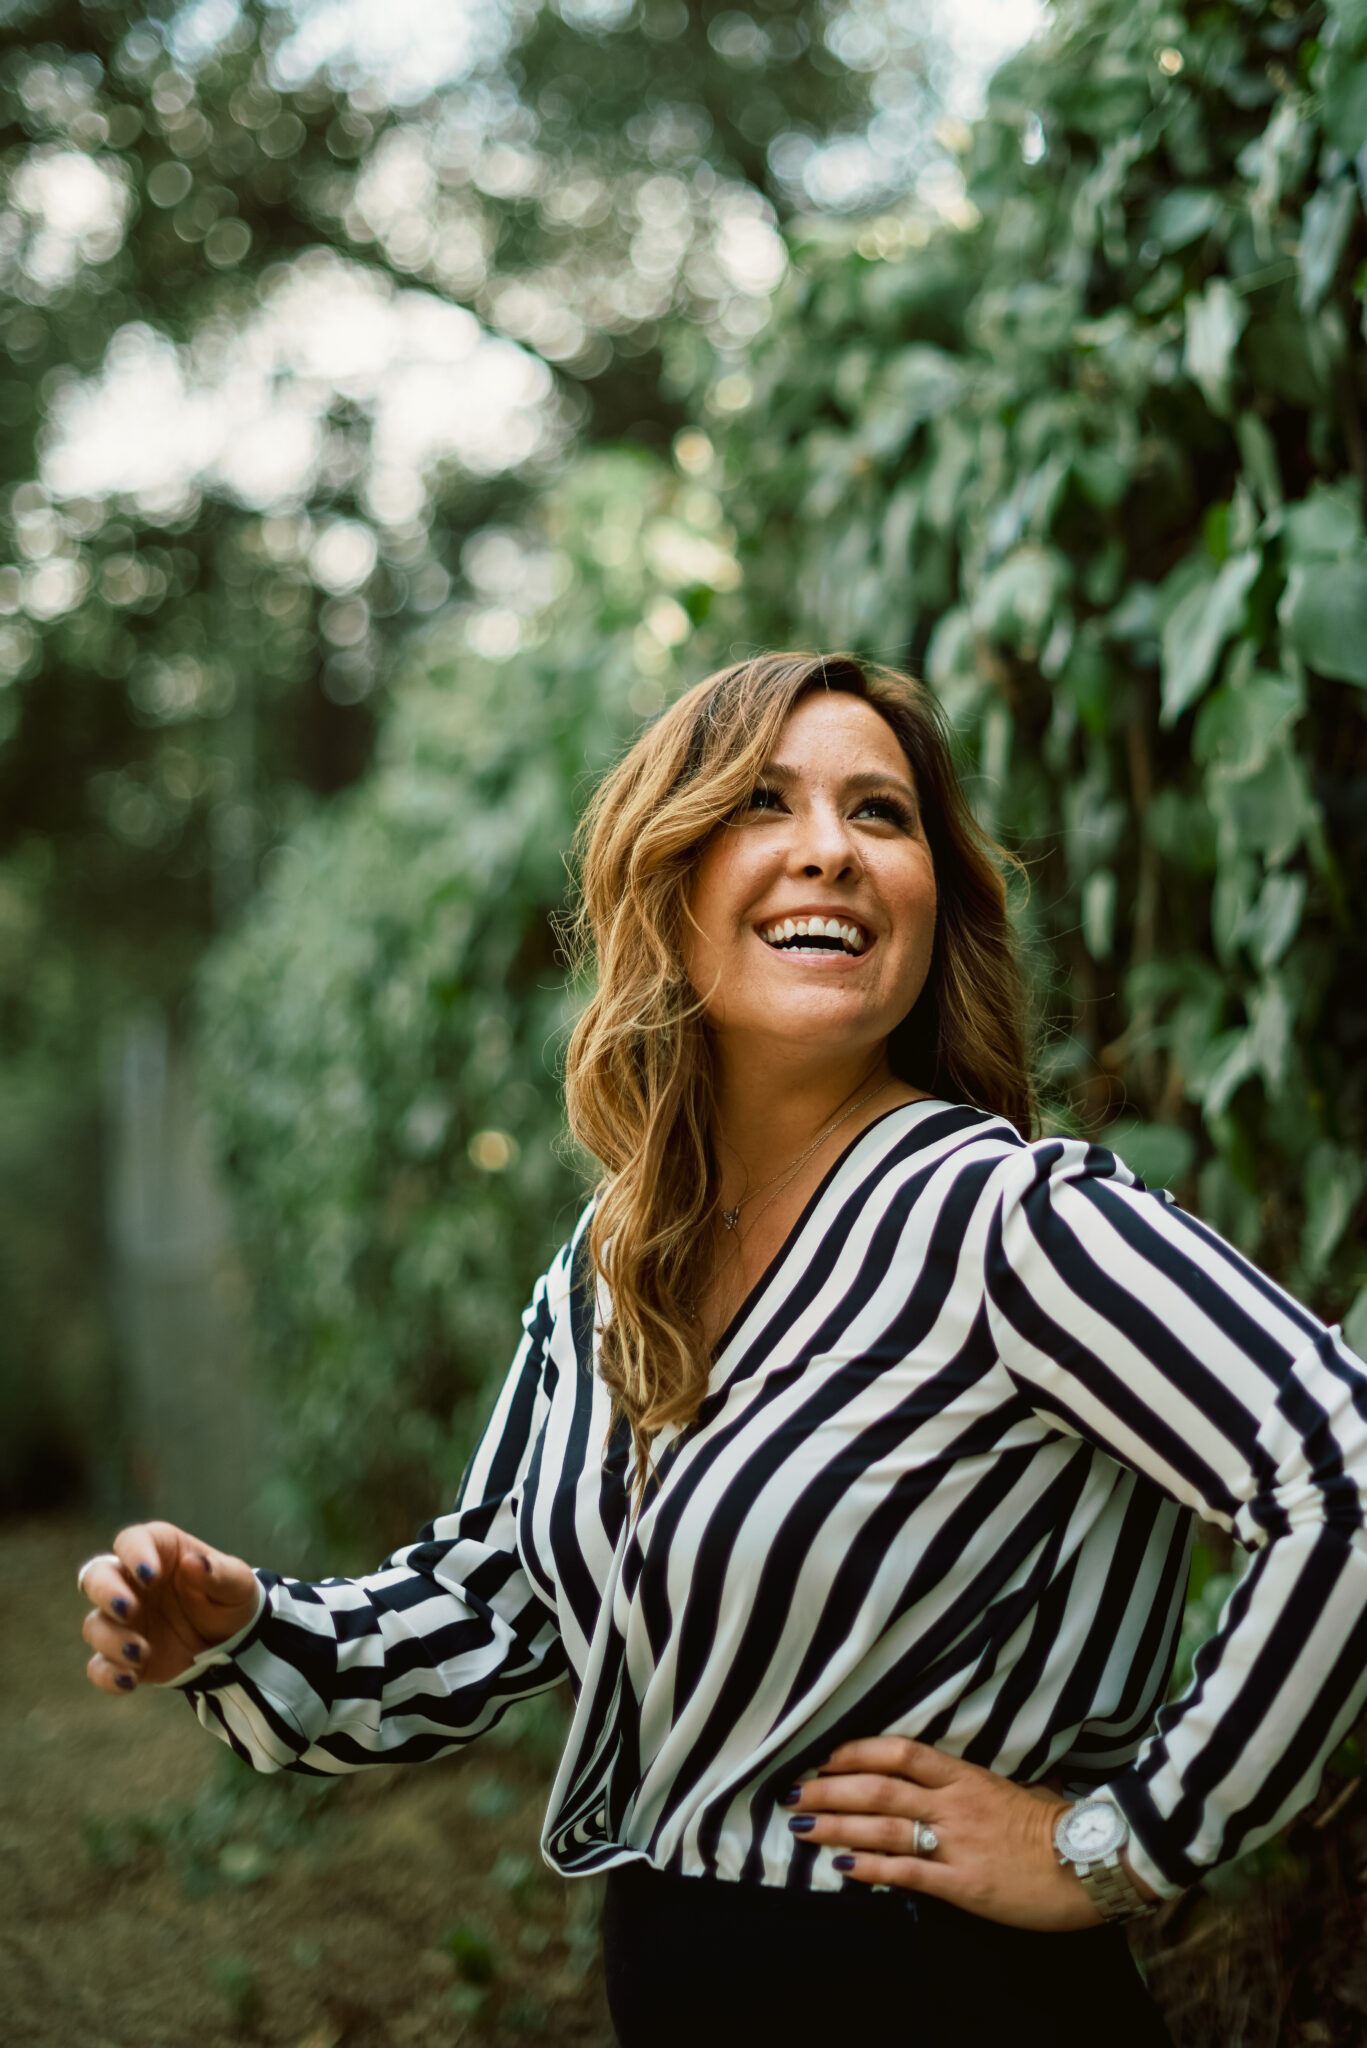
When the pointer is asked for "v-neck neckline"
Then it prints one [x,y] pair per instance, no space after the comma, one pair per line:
[724,1341]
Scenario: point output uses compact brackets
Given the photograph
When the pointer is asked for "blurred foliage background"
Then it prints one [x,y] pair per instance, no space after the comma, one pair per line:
[401,404]
[315,319]
[395,420]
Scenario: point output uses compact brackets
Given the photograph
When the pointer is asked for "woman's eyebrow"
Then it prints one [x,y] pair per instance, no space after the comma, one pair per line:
[857,783]
[778,775]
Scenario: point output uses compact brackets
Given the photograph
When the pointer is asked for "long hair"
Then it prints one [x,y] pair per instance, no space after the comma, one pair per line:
[640,1077]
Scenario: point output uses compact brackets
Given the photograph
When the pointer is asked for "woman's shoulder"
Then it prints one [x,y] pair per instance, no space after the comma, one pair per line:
[936,1131]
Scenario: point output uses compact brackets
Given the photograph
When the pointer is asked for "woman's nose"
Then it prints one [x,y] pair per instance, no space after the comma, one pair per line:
[824,847]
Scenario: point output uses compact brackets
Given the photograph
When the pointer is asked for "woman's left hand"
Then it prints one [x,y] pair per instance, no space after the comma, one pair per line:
[995,1854]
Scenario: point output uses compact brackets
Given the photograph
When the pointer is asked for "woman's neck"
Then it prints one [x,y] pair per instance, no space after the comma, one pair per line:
[766,1115]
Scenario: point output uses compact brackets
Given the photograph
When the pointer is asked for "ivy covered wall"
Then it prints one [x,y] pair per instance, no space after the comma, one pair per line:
[1094,459]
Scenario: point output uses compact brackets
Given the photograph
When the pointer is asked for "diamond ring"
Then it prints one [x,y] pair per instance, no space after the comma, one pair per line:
[924,1840]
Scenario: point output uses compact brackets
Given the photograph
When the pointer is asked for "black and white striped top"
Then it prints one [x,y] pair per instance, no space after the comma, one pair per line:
[942,1485]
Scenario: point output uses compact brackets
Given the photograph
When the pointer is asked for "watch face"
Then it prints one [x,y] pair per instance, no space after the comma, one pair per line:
[1093,1830]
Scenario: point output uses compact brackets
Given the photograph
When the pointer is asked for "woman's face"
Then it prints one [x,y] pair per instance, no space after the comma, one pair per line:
[833,833]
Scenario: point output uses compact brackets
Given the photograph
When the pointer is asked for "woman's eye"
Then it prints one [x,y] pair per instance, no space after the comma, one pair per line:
[762,799]
[889,808]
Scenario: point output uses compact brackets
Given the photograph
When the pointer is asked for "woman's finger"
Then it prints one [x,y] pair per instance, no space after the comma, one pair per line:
[105,1585]
[865,1792]
[887,1834]
[214,1576]
[125,1650]
[109,1677]
[896,1756]
[140,1554]
[907,1873]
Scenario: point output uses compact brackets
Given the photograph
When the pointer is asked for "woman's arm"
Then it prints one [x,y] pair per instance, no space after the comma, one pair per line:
[411,1660]
[1138,1329]
[1134,1327]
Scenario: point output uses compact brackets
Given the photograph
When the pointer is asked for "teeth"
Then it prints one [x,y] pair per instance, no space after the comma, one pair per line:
[787,929]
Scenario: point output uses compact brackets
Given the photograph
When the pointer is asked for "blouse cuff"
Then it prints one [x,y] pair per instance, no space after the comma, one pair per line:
[1121,1791]
[220,1653]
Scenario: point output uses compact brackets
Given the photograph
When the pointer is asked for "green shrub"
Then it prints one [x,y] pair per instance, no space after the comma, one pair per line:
[382,1035]
[1093,457]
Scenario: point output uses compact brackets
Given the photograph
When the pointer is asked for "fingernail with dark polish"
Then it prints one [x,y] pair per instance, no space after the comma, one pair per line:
[802,1823]
[791,1796]
[132,1652]
[124,1682]
[843,1862]
[120,1607]
[146,1574]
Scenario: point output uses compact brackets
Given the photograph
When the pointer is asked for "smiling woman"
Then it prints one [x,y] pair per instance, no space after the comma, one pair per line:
[789,790]
[849,1462]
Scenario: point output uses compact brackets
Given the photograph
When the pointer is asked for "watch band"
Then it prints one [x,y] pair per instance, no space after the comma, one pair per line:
[1112,1891]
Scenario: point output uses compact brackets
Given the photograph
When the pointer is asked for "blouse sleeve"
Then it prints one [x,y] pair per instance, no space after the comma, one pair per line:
[1130,1324]
[423,1654]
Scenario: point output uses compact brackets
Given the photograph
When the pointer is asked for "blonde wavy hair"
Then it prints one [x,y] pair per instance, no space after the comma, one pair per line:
[639,1082]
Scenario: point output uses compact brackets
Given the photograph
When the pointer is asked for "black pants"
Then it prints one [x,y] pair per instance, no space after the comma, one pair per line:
[695,1963]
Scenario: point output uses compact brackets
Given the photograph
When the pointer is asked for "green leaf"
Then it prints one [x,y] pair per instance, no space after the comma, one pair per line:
[1259,453]
[1181,215]
[1268,812]
[1093,821]
[1351,16]
[1014,603]
[1089,678]
[1275,918]
[1345,106]
[1263,1047]
[1334,1181]
[1325,225]
[1238,724]
[1215,320]
[1355,1324]
[1231,1062]
[914,385]
[1323,613]
[1325,526]
[1159,1153]
[1198,629]
[1230,1206]
[1270,1037]
[1232,899]
[952,662]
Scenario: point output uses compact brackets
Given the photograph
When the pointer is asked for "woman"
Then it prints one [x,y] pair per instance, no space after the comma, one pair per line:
[849,1460]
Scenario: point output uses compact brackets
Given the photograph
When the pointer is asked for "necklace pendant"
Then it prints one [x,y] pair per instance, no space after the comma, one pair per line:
[730,1217]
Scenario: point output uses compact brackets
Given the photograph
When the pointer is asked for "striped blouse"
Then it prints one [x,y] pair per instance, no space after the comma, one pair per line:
[943,1484]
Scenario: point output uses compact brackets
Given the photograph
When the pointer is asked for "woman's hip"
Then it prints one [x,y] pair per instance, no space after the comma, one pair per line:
[697,1961]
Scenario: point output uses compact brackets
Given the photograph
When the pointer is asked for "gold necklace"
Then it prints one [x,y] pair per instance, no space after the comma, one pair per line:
[731,1217]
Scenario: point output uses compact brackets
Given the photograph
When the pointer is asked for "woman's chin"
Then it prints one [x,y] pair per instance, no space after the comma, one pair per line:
[822,1024]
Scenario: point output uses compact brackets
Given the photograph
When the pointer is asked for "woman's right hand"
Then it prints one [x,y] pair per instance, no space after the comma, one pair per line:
[157,1601]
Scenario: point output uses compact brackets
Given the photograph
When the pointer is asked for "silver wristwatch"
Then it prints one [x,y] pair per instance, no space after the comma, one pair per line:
[1089,1837]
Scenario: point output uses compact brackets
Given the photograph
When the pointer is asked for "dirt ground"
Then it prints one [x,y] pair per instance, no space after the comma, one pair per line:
[154,1893]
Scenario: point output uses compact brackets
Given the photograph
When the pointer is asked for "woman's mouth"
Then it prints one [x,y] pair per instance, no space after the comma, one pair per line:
[814,935]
